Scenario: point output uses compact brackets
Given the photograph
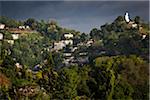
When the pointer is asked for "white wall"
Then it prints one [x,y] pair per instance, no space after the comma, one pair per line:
[2,26]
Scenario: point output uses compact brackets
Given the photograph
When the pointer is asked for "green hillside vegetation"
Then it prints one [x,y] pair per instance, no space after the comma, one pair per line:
[121,73]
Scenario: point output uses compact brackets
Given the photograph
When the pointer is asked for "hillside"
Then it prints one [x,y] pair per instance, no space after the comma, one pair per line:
[42,60]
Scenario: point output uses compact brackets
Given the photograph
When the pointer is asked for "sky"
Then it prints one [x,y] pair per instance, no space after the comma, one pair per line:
[79,15]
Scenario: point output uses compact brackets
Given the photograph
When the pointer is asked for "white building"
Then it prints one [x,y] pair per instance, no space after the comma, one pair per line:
[68,35]
[67,42]
[83,53]
[67,54]
[2,26]
[27,27]
[1,36]
[127,17]
[24,27]
[59,45]
[90,42]
[10,42]
[75,48]
[21,27]
[134,25]
[143,36]
[130,23]
[15,36]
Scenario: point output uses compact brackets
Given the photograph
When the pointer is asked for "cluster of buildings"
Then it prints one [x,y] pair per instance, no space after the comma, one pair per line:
[131,24]
[15,32]
[68,40]
[66,44]
[28,91]
[14,35]
[69,48]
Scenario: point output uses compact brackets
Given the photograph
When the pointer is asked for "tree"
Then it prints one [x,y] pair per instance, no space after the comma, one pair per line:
[5,84]
[42,27]
[9,22]
[83,88]
[27,50]
[137,20]
[83,37]
[112,72]
[95,34]
[69,80]
[31,22]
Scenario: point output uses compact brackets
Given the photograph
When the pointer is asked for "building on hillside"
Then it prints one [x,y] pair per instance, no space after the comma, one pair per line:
[15,36]
[127,17]
[24,27]
[68,42]
[64,42]
[73,49]
[68,35]
[59,45]
[1,36]
[90,42]
[27,27]
[83,53]
[67,54]
[68,60]
[131,24]
[2,26]
[10,41]
[143,36]
[21,27]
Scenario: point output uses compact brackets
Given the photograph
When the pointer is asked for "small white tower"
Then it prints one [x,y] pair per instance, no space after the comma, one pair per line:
[127,17]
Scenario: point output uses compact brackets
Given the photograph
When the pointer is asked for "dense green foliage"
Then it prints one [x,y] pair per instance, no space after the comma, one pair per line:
[121,72]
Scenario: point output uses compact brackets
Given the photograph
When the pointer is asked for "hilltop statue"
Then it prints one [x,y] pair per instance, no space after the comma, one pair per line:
[127,17]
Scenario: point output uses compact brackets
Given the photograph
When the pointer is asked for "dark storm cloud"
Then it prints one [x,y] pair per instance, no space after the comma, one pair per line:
[80,15]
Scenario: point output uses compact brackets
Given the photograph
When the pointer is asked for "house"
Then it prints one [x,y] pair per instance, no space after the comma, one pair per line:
[83,53]
[67,61]
[1,36]
[24,27]
[59,45]
[131,24]
[73,49]
[143,36]
[21,27]
[90,42]
[134,25]
[15,36]
[68,35]
[67,42]
[10,42]
[27,27]
[67,54]
[2,26]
